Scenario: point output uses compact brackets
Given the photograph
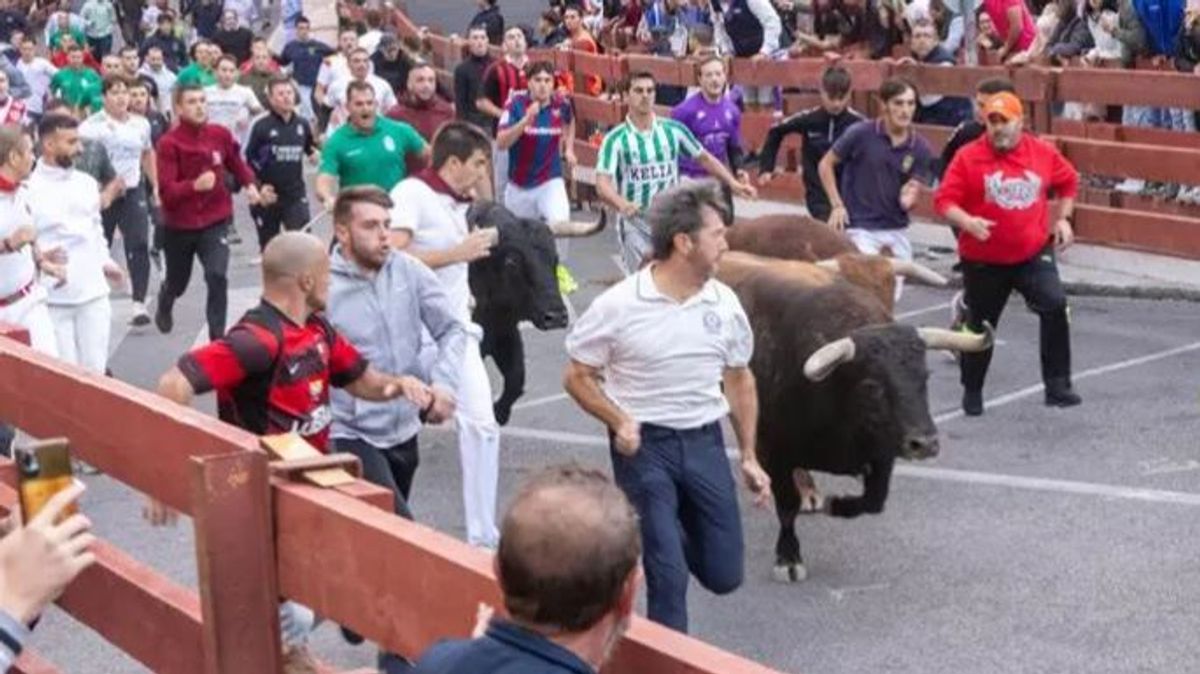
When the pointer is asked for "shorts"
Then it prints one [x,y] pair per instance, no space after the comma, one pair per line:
[633,237]
[872,242]
[547,202]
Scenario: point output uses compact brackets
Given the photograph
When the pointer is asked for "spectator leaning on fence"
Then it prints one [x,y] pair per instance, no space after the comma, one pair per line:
[568,569]
[933,108]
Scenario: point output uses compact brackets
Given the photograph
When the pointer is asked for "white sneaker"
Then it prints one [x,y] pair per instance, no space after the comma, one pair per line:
[140,315]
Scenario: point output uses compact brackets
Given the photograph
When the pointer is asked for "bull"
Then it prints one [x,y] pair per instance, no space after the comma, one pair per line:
[842,387]
[516,283]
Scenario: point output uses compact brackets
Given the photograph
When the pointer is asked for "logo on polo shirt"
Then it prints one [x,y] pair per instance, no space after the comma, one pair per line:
[906,164]
[389,144]
[712,322]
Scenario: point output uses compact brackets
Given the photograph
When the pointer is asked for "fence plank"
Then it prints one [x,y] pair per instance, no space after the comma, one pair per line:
[1150,162]
[1120,87]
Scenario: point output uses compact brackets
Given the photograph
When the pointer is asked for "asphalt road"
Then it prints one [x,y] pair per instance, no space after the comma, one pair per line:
[1040,540]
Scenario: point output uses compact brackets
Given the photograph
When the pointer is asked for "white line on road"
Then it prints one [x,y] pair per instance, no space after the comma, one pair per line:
[538,402]
[1086,374]
[927,310]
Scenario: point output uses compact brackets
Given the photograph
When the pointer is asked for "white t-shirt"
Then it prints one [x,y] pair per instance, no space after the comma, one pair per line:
[232,108]
[66,211]
[337,98]
[38,74]
[663,360]
[125,142]
[437,222]
[165,81]
[335,67]
[17,270]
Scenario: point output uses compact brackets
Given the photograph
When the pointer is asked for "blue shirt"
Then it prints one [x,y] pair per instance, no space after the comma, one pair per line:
[536,157]
[873,171]
[305,58]
[505,649]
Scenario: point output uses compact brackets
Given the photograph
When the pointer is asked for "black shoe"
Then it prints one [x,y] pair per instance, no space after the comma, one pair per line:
[1060,394]
[972,403]
[353,638]
[162,315]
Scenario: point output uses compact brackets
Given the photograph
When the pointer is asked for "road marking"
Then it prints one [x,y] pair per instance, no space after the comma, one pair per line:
[537,402]
[1086,374]
[240,300]
[930,473]
[927,310]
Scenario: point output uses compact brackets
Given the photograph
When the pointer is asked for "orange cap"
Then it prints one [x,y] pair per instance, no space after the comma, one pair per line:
[1004,104]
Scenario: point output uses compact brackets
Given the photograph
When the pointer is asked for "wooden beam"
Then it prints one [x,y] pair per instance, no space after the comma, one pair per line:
[1150,162]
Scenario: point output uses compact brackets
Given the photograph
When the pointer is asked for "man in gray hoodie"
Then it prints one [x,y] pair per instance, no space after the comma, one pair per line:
[382,301]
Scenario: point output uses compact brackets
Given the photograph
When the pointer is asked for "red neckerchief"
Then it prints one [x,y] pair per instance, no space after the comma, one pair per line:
[435,182]
[7,186]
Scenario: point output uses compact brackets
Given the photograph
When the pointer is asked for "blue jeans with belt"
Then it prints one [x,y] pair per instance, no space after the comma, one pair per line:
[682,487]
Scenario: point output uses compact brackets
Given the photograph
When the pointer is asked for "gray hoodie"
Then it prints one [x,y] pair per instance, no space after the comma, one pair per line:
[385,316]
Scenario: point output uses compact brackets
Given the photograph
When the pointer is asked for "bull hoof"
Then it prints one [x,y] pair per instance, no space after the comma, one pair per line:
[789,573]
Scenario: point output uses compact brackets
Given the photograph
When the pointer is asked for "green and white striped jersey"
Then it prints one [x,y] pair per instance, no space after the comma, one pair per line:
[645,163]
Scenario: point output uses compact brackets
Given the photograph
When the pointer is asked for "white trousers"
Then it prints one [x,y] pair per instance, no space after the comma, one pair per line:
[500,174]
[83,332]
[30,312]
[872,242]
[478,446]
[547,202]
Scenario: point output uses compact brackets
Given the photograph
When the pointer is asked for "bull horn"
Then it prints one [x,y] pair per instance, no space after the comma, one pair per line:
[825,360]
[953,340]
[830,264]
[917,272]
[572,229]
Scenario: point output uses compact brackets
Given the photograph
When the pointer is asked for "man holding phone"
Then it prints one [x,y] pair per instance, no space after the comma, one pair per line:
[996,192]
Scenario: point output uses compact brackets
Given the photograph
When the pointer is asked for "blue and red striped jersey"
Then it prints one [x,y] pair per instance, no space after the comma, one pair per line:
[536,157]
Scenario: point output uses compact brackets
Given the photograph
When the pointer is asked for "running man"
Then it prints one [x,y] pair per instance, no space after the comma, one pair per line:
[640,158]
[713,117]
[279,142]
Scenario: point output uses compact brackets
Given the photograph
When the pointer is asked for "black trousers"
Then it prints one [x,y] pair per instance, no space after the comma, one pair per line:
[392,467]
[130,213]
[986,288]
[288,214]
[180,247]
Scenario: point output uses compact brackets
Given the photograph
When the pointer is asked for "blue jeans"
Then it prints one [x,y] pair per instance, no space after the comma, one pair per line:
[682,487]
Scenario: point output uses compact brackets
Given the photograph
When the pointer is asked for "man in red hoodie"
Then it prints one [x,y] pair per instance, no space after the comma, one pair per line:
[996,192]
[197,209]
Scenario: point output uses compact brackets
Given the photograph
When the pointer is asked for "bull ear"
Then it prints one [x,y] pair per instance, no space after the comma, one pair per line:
[952,340]
[825,360]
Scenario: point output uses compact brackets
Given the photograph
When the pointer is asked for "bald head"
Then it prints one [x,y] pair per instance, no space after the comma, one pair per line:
[290,255]
[568,546]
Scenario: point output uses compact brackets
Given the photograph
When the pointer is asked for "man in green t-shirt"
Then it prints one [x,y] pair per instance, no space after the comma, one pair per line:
[77,84]
[369,150]
[200,71]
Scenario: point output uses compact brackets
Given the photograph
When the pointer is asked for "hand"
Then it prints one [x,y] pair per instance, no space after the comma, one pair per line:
[158,514]
[205,182]
[839,217]
[759,57]
[744,189]
[314,158]
[757,481]
[54,255]
[629,209]
[39,560]
[570,160]
[906,61]
[441,407]
[980,228]
[477,245]
[24,236]
[57,272]
[267,195]
[1064,234]
[155,197]
[252,195]
[628,437]
[113,273]
[410,388]
[328,202]
[765,178]
[909,194]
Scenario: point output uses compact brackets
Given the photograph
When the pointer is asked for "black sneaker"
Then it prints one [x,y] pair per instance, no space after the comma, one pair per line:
[162,315]
[1060,394]
[972,403]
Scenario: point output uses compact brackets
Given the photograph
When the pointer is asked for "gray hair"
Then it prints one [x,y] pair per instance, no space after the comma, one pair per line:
[680,209]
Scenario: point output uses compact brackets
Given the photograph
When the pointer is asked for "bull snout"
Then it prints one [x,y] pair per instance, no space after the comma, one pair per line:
[552,319]
[919,447]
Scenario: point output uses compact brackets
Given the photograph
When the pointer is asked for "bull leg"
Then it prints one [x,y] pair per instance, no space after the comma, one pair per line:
[509,354]
[789,565]
[811,499]
[875,493]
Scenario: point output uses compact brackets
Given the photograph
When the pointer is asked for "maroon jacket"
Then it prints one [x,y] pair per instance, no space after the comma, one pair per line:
[185,152]
[424,117]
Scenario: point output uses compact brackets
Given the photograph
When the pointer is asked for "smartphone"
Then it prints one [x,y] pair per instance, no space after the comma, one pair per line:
[45,469]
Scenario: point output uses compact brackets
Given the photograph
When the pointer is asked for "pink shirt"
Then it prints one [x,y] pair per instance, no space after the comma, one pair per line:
[997,10]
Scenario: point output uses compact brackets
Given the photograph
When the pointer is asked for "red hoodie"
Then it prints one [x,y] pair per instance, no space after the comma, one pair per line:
[1010,189]
[184,153]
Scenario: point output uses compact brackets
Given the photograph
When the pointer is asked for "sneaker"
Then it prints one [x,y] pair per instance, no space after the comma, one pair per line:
[566,282]
[140,315]
[162,314]
[1059,393]
[972,403]
[298,660]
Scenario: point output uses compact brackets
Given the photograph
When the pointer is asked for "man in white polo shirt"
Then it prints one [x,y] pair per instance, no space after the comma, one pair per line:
[429,221]
[648,359]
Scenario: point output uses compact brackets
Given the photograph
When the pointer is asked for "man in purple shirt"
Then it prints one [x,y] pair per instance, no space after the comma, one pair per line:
[713,117]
